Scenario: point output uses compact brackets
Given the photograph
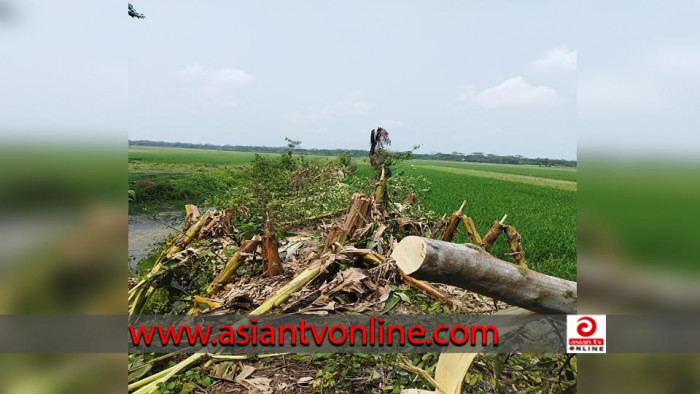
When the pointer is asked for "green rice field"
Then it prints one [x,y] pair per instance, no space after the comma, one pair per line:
[539,201]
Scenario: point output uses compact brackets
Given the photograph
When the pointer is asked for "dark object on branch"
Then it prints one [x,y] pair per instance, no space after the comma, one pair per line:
[472,268]
[134,14]
[379,139]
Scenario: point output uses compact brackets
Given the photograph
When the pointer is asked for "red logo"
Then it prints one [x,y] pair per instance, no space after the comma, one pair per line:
[586,333]
[587,327]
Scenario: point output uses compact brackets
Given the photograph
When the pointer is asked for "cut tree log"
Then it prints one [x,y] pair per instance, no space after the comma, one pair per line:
[271,262]
[451,229]
[381,192]
[226,221]
[296,284]
[470,227]
[440,223]
[191,213]
[513,239]
[432,291]
[233,263]
[472,268]
[491,235]
[356,215]
[189,235]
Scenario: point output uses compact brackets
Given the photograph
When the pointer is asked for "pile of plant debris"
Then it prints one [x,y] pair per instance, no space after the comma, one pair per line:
[282,245]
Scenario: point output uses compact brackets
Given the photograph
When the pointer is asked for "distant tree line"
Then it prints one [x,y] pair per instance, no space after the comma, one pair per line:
[475,157]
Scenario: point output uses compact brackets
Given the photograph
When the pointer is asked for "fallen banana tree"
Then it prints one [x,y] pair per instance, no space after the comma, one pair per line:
[364,220]
[151,383]
[472,268]
[328,273]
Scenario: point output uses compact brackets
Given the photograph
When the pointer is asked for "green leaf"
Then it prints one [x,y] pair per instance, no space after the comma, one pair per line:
[390,303]
[498,366]
[205,381]
[403,297]
[139,372]
[188,388]
[176,286]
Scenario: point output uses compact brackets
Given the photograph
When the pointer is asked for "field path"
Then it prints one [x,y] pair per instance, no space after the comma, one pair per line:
[531,180]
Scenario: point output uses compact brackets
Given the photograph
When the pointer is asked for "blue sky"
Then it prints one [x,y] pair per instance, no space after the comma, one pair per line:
[63,70]
[498,76]
[639,78]
[452,76]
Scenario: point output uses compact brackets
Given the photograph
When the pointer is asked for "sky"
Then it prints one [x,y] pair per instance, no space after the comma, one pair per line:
[63,71]
[450,76]
[639,79]
[501,77]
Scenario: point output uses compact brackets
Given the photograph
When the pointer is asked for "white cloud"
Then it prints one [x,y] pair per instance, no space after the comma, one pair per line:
[190,71]
[354,106]
[560,60]
[230,76]
[512,93]
[216,85]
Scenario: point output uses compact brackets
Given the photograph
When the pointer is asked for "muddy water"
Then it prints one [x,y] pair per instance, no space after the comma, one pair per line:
[146,232]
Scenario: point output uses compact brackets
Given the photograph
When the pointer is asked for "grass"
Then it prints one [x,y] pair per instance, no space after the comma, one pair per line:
[166,179]
[156,155]
[531,180]
[561,173]
[540,202]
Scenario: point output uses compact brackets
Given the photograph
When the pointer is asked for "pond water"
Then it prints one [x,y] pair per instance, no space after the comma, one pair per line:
[147,232]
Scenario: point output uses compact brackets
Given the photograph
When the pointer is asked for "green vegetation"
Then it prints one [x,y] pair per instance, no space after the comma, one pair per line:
[475,157]
[544,216]
[530,180]
[289,190]
[163,179]
[566,174]
[358,372]
[165,191]
[199,157]
[540,202]
[292,188]
[627,203]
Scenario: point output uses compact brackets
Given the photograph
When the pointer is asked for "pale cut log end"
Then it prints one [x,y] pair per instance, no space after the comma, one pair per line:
[409,254]
[461,207]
